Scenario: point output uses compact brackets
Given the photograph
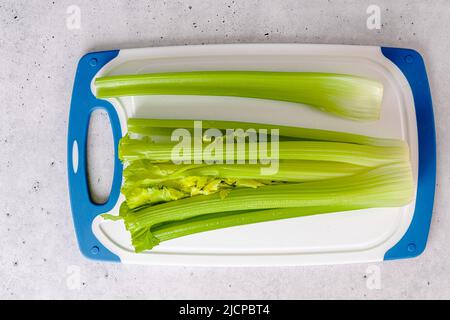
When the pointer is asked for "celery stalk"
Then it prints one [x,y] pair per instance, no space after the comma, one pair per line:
[363,155]
[177,229]
[386,186]
[146,173]
[165,127]
[148,183]
[344,95]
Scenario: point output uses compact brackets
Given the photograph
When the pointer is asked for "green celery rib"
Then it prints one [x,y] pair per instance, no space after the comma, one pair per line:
[154,135]
[344,95]
[386,186]
[165,127]
[177,229]
[146,173]
[140,196]
[148,183]
[363,155]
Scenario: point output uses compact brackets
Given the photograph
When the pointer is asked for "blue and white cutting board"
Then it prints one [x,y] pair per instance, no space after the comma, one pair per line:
[361,236]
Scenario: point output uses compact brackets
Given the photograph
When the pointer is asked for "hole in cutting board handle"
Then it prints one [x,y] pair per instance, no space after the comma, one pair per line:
[75,156]
[100,156]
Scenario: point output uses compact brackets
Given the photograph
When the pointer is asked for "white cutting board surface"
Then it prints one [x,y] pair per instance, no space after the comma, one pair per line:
[358,236]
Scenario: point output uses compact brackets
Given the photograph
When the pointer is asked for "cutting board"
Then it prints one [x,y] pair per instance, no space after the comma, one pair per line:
[341,237]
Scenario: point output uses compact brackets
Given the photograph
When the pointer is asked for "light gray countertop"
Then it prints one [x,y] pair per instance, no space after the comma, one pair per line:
[39,256]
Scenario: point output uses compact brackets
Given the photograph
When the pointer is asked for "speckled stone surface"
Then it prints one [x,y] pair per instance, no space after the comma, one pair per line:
[39,257]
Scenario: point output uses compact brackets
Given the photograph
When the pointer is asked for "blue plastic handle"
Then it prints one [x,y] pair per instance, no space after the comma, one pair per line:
[413,243]
[84,210]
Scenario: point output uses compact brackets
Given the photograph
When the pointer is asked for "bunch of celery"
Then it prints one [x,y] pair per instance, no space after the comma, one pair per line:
[344,95]
[319,172]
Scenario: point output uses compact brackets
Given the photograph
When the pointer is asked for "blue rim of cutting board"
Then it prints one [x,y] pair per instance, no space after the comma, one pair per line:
[84,210]
[413,243]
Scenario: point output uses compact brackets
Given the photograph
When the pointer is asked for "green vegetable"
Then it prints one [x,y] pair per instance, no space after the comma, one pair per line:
[147,173]
[163,128]
[149,183]
[363,155]
[171,190]
[177,229]
[386,186]
[347,96]
[318,172]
